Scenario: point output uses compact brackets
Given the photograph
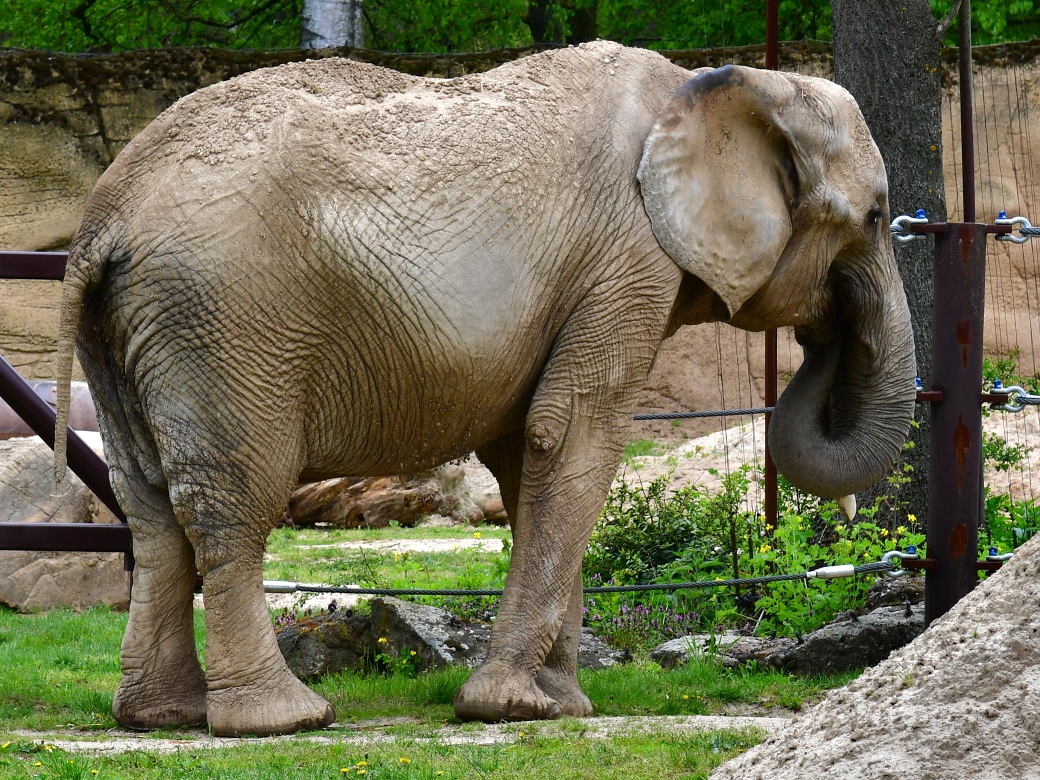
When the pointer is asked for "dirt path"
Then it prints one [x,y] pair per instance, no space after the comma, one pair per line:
[386,731]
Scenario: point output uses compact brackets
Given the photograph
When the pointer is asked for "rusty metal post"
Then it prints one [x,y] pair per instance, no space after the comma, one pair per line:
[956,462]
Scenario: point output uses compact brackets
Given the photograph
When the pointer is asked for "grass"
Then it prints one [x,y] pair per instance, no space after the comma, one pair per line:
[569,757]
[62,668]
[640,448]
[314,556]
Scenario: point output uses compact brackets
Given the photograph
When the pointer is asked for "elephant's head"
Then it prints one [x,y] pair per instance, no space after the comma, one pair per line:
[768,188]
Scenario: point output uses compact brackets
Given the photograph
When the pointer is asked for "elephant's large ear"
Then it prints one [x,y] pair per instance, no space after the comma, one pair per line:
[719,178]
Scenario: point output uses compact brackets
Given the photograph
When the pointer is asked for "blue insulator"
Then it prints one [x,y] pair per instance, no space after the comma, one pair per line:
[920,214]
[911,549]
[993,551]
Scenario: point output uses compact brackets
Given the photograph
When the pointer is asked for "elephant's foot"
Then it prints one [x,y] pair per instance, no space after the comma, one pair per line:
[176,697]
[282,706]
[563,688]
[494,696]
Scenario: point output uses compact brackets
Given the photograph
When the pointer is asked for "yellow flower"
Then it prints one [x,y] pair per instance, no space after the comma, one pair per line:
[476,535]
[404,760]
[901,530]
[686,696]
[38,763]
[840,529]
[6,745]
[440,773]
[382,640]
[362,762]
[412,652]
[93,771]
[764,548]
[361,771]
[912,518]
[521,735]
[884,532]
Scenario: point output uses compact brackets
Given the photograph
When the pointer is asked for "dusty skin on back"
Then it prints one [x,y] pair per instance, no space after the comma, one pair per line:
[289,276]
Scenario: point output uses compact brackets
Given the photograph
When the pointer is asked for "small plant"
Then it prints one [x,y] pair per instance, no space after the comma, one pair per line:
[405,662]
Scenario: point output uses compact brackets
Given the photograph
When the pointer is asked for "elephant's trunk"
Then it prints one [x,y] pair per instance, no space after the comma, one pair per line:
[842,422]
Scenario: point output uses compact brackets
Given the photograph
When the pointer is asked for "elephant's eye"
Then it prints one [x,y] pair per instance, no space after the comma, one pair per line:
[874,217]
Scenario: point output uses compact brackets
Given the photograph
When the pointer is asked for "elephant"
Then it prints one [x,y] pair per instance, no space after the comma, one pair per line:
[327,268]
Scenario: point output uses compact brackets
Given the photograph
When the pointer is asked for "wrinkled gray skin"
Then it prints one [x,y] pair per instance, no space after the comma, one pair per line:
[327,268]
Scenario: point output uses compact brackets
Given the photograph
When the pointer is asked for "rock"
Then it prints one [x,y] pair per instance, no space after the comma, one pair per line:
[854,642]
[325,644]
[893,591]
[463,491]
[439,638]
[31,581]
[362,502]
[594,653]
[732,649]
[345,639]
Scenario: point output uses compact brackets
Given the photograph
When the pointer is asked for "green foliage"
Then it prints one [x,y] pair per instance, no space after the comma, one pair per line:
[450,25]
[802,543]
[119,25]
[995,21]
[445,25]
[649,535]
[641,530]
[1009,523]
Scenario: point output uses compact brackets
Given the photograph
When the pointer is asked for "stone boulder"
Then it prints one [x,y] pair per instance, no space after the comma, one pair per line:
[853,642]
[891,617]
[732,650]
[463,491]
[425,637]
[31,581]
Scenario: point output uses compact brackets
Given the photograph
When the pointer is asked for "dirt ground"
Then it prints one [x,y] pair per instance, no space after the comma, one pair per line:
[375,732]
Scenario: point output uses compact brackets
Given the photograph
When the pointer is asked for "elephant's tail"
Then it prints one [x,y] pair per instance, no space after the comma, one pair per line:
[84,270]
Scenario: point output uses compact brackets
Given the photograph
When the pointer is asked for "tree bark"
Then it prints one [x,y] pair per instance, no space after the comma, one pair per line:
[331,23]
[887,55]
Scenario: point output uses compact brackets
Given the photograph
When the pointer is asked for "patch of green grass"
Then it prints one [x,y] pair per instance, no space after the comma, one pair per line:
[318,556]
[640,448]
[572,757]
[700,687]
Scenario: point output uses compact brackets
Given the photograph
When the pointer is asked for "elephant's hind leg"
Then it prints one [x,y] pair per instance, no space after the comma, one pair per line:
[162,682]
[558,677]
[228,503]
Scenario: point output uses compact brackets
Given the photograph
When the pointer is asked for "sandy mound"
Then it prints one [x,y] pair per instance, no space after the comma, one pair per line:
[961,701]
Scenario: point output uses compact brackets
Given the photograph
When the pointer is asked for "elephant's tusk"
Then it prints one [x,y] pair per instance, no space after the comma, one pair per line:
[848,505]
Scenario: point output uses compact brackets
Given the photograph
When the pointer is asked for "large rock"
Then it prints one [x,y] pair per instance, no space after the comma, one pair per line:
[424,637]
[853,642]
[31,581]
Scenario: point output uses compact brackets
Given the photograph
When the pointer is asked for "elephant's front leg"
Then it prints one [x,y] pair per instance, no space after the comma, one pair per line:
[574,437]
[558,676]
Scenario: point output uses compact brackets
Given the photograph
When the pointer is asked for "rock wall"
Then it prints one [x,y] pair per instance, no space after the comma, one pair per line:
[63,119]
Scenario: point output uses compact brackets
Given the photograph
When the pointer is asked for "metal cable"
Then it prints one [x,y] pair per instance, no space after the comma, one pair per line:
[827,572]
[691,415]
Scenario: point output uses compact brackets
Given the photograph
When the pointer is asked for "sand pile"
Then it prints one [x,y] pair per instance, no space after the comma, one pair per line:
[961,701]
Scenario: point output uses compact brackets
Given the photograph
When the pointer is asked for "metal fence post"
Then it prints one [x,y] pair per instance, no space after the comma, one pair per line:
[954,492]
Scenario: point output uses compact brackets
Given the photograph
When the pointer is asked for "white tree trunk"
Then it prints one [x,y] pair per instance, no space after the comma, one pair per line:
[328,23]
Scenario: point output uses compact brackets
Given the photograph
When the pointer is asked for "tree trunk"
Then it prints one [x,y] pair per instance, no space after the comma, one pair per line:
[331,23]
[887,55]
